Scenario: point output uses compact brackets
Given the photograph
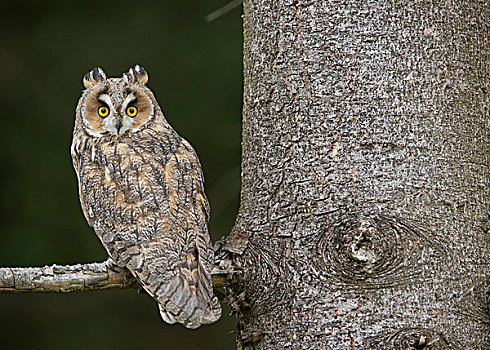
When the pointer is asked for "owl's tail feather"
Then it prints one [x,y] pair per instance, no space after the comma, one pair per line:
[171,313]
[187,297]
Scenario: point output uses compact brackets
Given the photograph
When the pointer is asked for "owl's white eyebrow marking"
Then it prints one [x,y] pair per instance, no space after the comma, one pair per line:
[130,98]
[107,99]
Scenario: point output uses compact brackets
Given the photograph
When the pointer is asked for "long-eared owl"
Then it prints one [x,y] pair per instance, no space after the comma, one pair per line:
[141,189]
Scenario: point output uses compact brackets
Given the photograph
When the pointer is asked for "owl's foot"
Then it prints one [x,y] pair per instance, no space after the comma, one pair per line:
[111,265]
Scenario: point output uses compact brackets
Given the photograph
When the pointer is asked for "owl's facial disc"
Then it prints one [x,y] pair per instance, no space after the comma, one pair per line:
[116,109]
[118,121]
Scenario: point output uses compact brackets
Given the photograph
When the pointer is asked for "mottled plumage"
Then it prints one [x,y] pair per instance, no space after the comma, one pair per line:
[141,189]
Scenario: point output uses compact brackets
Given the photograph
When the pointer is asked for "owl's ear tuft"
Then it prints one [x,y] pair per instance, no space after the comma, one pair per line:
[96,75]
[136,75]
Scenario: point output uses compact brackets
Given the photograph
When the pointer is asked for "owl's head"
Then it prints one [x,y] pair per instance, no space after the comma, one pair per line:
[116,106]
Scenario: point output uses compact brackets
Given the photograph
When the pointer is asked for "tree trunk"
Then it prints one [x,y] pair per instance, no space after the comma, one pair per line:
[364,217]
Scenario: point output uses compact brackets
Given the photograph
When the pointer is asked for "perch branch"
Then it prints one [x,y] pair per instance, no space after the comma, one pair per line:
[76,278]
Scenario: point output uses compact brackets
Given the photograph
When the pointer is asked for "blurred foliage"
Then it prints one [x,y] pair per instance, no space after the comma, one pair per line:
[195,71]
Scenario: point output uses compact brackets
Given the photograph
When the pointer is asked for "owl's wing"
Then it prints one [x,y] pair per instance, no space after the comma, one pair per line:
[146,202]
[76,149]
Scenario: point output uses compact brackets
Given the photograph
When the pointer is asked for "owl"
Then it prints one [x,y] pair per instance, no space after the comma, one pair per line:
[141,189]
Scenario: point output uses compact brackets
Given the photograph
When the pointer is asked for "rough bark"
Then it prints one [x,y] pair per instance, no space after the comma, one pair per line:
[364,214]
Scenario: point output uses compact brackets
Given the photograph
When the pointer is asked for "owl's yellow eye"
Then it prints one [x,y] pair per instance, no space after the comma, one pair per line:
[132,111]
[103,111]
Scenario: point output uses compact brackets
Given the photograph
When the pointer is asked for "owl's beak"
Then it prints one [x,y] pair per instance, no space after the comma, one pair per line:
[118,124]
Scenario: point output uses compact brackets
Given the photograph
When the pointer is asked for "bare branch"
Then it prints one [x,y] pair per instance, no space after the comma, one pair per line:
[223,10]
[76,278]
[62,279]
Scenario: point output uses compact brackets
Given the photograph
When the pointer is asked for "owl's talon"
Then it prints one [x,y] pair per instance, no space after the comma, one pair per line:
[111,265]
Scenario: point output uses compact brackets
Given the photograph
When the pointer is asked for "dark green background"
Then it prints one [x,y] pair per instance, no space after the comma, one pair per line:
[195,71]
